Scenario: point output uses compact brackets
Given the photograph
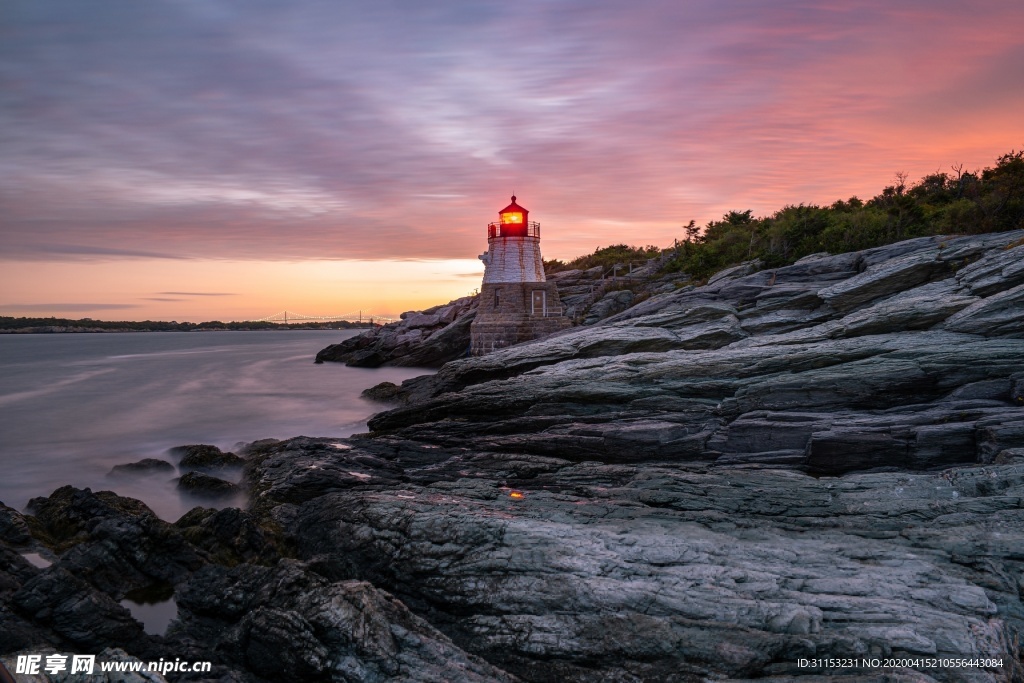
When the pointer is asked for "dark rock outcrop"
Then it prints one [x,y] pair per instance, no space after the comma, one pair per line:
[205,458]
[822,461]
[256,616]
[424,339]
[441,334]
[646,572]
[207,486]
[142,467]
[593,295]
[855,371]
[230,536]
[896,369]
[114,543]
[13,528]
[75,611]
[69,515]
[290,623]
[16,631]
[106,547]
[383,392]
[608,305]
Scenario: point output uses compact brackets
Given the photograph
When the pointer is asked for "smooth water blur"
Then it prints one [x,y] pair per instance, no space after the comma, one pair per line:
[74,405]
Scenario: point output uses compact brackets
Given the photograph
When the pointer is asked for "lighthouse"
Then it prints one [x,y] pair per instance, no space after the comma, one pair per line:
[517,303]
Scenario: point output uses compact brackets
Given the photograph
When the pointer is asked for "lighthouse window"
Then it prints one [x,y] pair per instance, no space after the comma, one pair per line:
[497,298]
[512,217]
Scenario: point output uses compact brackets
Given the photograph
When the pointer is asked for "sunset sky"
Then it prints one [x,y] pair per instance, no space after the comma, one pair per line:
[201,159]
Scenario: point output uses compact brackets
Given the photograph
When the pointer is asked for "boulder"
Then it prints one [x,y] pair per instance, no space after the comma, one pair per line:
[207,486]
[69,514]
[609,304]
[738,271]
[203,457]
[230,536]
[999,315]
[114,543]
[918,308]
[291,624]
[78,613]
[414,321]
[884,278]
[383,392]
[996,271]
[13,528]
[427,338]
[143,467]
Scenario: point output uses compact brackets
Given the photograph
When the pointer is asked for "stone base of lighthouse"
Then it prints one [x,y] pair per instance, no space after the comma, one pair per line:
[515,312]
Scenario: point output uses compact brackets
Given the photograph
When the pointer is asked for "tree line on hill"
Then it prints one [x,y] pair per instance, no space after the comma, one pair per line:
[990,200]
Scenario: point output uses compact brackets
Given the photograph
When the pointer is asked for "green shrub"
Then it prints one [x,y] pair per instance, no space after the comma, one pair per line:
[991,200]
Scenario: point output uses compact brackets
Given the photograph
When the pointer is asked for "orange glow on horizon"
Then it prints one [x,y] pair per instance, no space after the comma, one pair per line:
[201,290]
[213,188]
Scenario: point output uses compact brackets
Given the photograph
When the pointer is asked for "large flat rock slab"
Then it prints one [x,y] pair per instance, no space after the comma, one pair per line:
[657,569]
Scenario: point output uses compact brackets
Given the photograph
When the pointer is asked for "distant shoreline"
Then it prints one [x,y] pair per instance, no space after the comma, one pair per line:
[10,325]
[205,329]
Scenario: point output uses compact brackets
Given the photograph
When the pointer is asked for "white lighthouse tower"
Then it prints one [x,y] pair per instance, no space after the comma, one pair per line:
[513,248]
[516,301]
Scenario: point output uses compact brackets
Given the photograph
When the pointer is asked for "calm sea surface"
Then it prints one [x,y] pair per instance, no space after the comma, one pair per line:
[74,405]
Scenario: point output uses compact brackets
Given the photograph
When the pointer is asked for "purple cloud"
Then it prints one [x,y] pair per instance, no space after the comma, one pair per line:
[331,130]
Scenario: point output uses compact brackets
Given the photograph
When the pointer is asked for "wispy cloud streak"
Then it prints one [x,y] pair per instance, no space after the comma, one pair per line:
[197,293]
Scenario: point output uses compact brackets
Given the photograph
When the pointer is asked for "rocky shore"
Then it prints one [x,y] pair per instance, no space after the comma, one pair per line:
[424,339]
[818,462]
[437,335]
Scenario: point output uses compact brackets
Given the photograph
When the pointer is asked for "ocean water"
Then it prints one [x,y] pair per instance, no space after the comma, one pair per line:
[74,405]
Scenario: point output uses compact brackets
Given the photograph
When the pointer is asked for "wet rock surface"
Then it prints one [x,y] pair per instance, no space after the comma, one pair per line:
[820,461]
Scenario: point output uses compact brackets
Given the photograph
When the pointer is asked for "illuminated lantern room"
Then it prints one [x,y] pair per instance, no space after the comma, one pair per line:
[513,221]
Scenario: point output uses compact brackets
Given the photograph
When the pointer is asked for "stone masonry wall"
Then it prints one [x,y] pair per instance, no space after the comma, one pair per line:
[505,319]
[513,259]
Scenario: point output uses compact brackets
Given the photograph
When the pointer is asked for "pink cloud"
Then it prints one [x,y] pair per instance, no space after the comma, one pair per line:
[311,131]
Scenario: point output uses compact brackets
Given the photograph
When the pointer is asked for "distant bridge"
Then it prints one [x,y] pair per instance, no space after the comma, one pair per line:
[293,317]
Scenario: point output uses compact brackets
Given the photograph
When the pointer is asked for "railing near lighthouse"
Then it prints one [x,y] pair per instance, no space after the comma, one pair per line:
[548,312]
[513,229]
